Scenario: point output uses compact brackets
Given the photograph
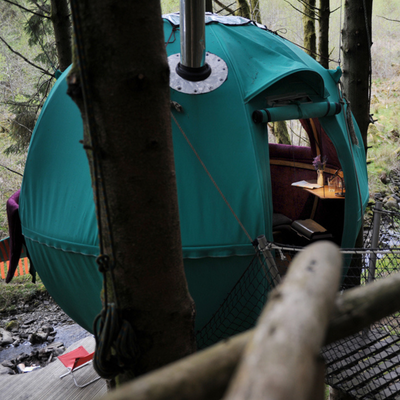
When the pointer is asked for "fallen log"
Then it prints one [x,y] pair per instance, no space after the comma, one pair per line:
[206,374]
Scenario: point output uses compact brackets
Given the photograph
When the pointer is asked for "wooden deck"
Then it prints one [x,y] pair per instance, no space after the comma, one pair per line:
[45,383]
[366,365]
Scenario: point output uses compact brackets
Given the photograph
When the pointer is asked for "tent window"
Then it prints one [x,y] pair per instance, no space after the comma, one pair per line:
[288,132]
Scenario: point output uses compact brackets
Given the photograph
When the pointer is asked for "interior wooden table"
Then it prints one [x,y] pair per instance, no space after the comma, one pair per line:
[323,194]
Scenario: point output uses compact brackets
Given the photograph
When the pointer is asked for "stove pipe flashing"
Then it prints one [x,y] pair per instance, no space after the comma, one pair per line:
[192,66]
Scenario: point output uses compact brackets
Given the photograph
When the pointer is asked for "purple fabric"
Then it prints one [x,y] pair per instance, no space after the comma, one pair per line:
[16,237]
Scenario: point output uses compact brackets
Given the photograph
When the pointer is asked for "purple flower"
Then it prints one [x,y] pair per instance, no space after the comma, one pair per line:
[318,164]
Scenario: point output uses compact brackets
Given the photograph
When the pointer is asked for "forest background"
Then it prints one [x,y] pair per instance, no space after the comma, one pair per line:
[27,50]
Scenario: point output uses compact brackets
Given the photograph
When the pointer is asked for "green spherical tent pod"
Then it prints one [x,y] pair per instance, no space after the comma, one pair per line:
[56,203]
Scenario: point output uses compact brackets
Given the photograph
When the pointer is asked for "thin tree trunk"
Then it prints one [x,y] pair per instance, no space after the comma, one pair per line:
[310,41]
[243,9]
[209,6]
[323,39]
[60,16]
[280,131]
[128,83]
[255,10]
[357,60]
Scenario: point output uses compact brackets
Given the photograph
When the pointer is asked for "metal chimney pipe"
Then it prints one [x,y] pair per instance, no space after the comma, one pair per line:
[193,45]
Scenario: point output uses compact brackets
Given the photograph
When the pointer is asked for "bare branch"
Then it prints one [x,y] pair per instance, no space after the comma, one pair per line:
[297,9]
[15,172]
[14,121]
[25,59]
[224,7]
[27,9]
[40,7]
[388,19]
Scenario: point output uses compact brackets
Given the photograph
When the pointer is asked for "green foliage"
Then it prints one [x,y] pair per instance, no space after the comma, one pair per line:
[169,6]
[383,136]
[40,32]
[24,87]
[20,290]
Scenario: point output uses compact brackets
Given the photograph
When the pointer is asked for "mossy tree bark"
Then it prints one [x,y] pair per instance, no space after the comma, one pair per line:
[357,60]
[280,131]
[60,17]
[243,9]
[310,38]
[128,82]
[323,36]
[255,10]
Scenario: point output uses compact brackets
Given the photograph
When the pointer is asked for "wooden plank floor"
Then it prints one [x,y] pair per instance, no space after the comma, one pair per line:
[366,365]
[45,383]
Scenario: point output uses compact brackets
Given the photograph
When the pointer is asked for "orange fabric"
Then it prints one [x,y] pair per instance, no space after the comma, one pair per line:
[25,260]
[4,250]
[22,270]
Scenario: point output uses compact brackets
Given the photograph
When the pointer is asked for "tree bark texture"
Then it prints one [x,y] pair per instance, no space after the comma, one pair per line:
[255,10]
[357,60]
[60,17]
[323,37]
[280,131]
[206,374]
[243,9]
[128,80]
[363,306]
[281,360]
[310,38]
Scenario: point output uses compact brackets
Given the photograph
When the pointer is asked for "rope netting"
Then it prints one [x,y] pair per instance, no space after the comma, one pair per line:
[242,306]
[365,365]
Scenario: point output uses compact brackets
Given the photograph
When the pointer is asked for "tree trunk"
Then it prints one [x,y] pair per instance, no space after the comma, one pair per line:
[323,39]
[310,41]
[209,6]
[255,10]
[357,60]
[127,96]
[62,32]
[243,9]
[280,131]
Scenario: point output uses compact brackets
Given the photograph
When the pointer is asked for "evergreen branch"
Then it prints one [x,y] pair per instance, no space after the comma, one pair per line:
[11,170]
[27,9]
[40,7]
[14,121]
[388,19]
[25,59]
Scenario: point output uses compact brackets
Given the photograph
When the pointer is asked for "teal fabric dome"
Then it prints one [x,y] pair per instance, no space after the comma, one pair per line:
[56,204]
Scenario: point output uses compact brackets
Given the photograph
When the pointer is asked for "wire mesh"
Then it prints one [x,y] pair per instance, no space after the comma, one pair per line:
[365,365]
[243,305]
